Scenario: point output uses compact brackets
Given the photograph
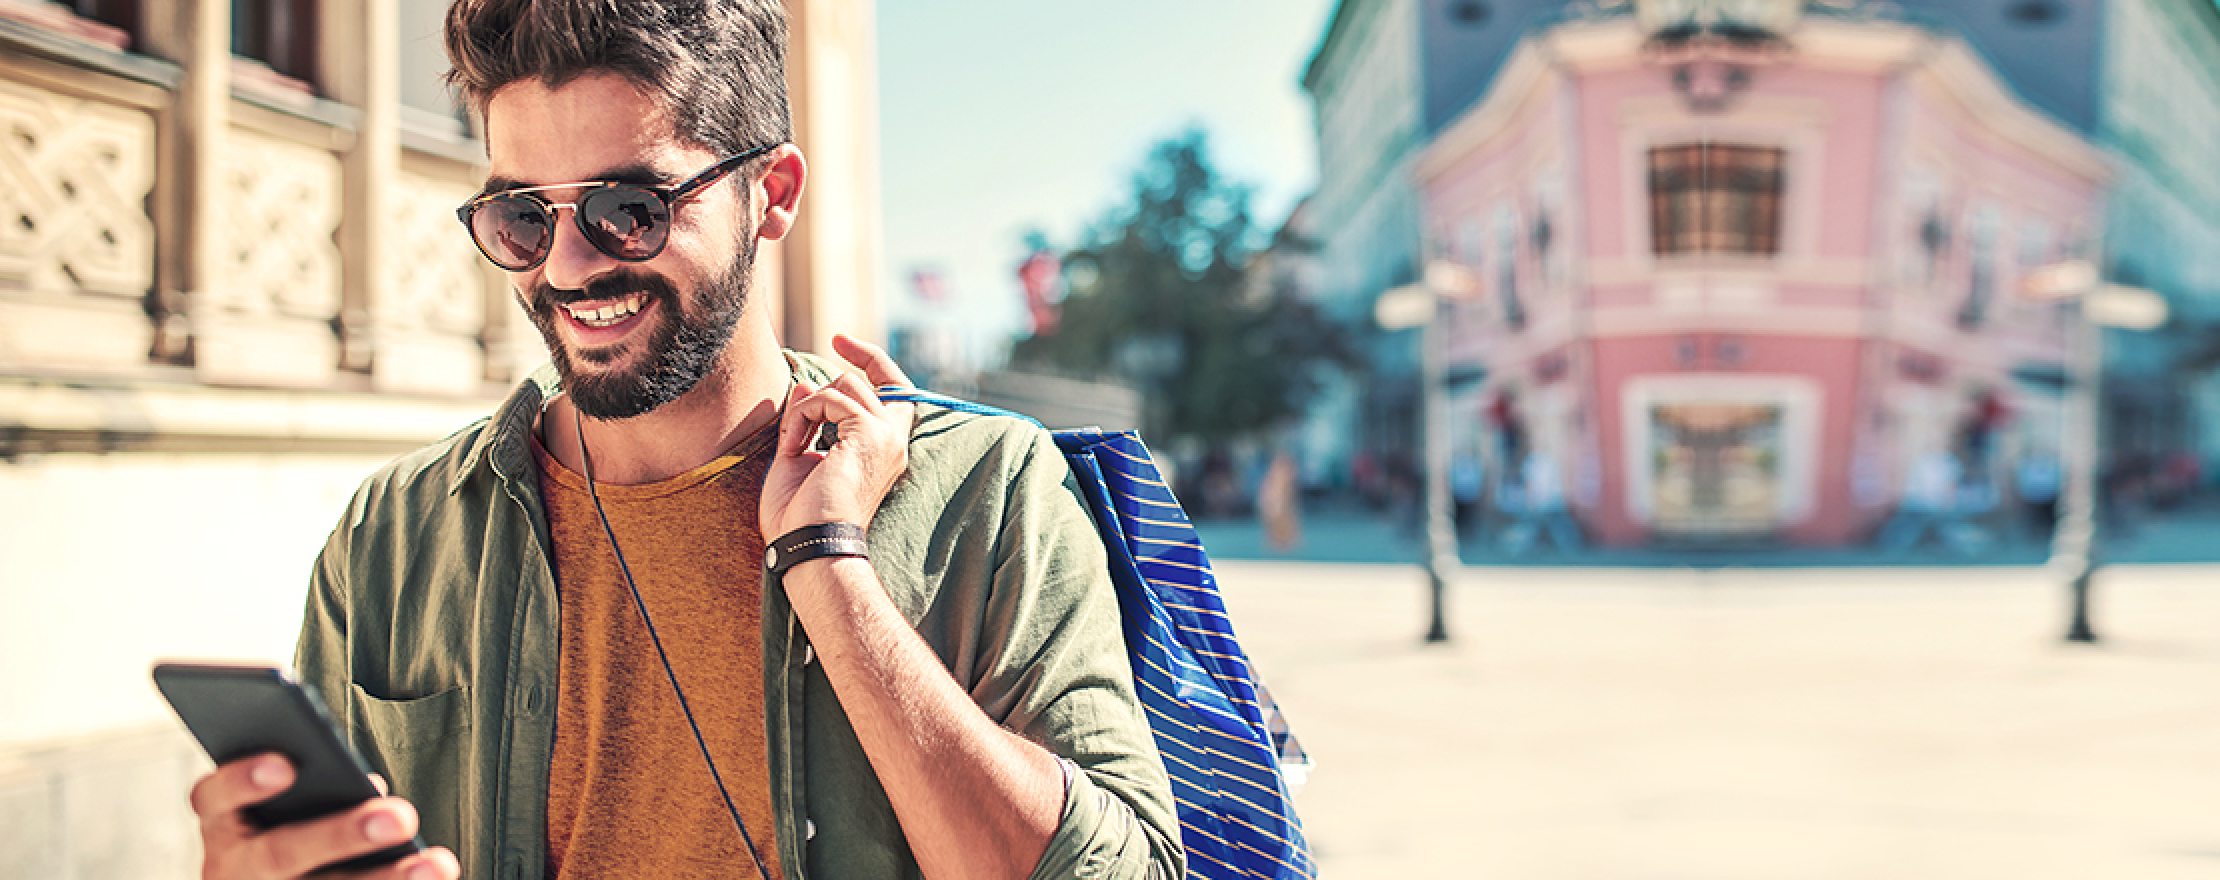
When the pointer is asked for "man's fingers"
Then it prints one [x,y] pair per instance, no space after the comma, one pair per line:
[877,365]
[436,863]
[218,796]
[794,433]
[856,388]
[298,848]
[833,403]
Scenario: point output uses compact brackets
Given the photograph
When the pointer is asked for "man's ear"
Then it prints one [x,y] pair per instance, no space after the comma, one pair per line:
[781,186]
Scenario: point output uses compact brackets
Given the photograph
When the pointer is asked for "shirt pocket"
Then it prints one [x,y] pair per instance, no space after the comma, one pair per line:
[419,745]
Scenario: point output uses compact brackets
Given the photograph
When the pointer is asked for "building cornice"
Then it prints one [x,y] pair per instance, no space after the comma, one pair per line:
[1946,67]
[47,415]
[1345,13]
[1952,73]
[1533,63]
[29,39]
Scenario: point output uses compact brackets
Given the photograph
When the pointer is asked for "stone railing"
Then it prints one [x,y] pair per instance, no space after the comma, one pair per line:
[77,245]
[185,221]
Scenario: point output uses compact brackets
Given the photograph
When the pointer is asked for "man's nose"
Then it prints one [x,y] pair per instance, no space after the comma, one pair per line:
[572,261]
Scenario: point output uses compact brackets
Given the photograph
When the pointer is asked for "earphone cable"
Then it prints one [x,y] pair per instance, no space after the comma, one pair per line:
[587,458]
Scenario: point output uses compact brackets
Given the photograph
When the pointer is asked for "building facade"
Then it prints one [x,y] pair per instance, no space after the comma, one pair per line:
[1368,108]
[231,284]
[1738,278]
[2141,78]
[1386,77]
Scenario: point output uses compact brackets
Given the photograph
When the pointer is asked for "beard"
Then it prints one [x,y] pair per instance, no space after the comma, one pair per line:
[682,348]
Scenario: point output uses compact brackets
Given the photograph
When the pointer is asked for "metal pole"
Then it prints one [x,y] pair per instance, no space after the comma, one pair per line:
[1441,538]
[2074,542]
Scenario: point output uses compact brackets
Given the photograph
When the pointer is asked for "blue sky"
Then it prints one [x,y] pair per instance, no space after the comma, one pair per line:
[999,116]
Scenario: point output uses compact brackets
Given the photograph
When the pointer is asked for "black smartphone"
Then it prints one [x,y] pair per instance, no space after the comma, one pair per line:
[241,711]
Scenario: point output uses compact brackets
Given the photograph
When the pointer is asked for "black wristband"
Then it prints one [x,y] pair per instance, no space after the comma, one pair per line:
[815,542]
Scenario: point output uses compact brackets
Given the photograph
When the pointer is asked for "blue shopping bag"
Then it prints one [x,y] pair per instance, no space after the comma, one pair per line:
[1227,750]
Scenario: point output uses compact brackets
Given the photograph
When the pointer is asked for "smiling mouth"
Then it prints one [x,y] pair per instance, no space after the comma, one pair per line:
[608,314]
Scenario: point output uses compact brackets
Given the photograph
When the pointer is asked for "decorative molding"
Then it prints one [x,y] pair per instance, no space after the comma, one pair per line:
[430,313]
[279,204]
[102,335]
[266,316]
[1515,97]
[1660,320]
[38,415]
[33,40]
[74,181]
[1954,77]
[438,287]
[1810,271]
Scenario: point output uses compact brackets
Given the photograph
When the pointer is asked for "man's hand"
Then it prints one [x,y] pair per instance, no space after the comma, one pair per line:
[845,483]
[234,849]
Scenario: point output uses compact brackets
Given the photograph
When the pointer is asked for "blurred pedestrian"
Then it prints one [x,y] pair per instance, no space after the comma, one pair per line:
[1279,505]
[1930,496]
[2036,480]
[1535,503]
[1467,481]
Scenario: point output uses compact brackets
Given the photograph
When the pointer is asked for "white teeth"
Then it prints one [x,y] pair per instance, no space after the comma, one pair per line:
[608,314]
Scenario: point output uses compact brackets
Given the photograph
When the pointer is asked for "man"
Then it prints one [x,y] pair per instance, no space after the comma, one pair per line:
[557,633]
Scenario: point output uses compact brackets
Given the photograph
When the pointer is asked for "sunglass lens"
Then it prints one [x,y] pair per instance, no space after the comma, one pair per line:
[514,231]
[625,222]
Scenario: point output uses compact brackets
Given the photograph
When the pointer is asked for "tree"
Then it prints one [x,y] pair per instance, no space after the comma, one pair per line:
[1159,297]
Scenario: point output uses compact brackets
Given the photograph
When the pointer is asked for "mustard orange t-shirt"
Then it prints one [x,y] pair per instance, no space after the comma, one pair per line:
[629,794]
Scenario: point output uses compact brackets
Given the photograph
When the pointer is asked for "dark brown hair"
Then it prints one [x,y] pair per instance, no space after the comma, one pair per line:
[718,65]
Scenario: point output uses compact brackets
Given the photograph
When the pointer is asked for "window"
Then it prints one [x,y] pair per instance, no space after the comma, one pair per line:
[111,23]
[278,33]
[1708,198]
[122,15]
[1981,279]
[1507,266]
[1469,13]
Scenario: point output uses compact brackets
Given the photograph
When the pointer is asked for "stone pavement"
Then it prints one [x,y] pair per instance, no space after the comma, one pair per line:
[1660,724]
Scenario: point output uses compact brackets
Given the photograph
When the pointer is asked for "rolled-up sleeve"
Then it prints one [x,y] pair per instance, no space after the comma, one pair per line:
[1062,672]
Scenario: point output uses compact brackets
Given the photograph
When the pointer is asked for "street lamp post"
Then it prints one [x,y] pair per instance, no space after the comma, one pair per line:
[1420,305]
[2073,553]
[2073,544]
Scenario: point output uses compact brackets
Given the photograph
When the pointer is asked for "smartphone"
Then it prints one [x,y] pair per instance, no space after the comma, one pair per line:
[241,711]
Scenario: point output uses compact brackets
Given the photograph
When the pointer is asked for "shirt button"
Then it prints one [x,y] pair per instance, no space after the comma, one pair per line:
[809,654]
[809,829]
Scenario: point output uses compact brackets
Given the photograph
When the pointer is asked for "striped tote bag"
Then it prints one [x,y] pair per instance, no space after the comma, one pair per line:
[1227,750]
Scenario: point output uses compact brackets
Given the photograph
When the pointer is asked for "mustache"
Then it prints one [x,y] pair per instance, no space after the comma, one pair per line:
[613,285]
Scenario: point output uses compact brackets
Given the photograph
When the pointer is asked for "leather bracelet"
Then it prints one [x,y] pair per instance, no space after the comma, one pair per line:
[815,542]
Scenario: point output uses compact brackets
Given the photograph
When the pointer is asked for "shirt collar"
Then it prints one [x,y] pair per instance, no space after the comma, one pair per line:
[506,442]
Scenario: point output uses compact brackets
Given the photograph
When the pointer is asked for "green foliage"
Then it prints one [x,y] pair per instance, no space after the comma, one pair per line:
[1160,297]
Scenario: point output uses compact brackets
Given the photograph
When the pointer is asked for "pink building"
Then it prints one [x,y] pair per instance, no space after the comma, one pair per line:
[1736,280]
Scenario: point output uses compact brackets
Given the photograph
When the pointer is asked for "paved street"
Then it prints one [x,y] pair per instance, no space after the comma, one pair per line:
[1833,723]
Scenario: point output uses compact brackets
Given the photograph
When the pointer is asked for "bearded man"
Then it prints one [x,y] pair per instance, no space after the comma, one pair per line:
[651,617]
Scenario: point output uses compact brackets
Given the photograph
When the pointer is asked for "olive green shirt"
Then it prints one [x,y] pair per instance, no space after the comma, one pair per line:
[432,630]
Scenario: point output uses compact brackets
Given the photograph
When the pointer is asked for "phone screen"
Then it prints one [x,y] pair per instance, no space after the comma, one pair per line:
[241,711]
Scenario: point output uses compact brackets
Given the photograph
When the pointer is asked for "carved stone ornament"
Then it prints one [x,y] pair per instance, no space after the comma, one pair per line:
[431,313]
[266,317]
[74,178]
[280,205]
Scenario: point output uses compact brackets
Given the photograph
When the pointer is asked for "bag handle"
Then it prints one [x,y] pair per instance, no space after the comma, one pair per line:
[906,394]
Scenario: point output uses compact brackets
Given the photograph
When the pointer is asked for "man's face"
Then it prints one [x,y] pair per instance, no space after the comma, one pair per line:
[626,337]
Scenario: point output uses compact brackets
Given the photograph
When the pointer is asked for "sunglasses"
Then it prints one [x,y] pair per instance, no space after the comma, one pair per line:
[515,228]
